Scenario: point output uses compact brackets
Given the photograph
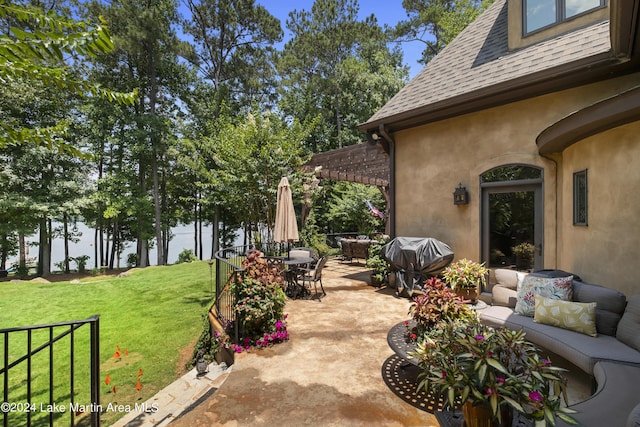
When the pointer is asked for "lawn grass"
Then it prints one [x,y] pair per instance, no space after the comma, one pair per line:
[154,315]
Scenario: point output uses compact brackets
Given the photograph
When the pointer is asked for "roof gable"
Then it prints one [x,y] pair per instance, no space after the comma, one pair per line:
[478,61]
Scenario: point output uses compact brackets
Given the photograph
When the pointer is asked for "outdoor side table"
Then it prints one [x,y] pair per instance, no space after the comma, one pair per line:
[400,344]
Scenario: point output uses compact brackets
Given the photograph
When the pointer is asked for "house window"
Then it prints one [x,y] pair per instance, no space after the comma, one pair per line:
[580,198]
[540,14]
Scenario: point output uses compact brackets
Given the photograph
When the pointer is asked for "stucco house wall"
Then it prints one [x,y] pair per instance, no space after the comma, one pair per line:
[431,160]
[606,250]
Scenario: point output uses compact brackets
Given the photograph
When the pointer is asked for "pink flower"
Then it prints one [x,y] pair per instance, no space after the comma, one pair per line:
[444,374]
[546,362]
[489,392]
[500,380]
[535,396]
[479,337]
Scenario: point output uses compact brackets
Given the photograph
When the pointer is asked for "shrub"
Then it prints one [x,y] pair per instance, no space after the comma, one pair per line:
[438,303]
[260,301]
[187,255]
[132,260]
[81,261]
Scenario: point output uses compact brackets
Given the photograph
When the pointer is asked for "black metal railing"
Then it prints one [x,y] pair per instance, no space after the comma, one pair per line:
[19,355]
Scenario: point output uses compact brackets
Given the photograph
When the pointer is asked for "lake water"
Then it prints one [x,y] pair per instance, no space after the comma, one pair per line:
[183,236]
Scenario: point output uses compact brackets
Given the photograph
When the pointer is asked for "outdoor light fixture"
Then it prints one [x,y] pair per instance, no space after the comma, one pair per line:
[201,364]
[460,196]
[373,137]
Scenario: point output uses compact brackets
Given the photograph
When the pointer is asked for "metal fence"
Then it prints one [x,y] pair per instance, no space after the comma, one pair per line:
[19,355]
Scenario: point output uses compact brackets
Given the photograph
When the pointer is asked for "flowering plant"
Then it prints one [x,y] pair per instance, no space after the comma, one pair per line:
[496,368]
[259,306]
[465,274]
[437,303]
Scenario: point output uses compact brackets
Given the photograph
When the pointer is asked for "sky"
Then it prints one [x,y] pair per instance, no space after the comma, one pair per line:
[386,11]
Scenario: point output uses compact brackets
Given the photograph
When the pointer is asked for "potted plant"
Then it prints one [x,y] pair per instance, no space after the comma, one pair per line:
[437,303]
[466,278]
[380,266]
[524,255]
[491,372]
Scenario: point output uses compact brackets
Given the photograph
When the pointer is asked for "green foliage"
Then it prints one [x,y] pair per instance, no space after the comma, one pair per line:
[495,368]
[81,261]
[465,274]
[338,68]
[35,52]
[251,155]
[436,304]
[347,210]
[206,345]
[260,297]
[233,47]
[132,260]
[187,255]
[380,266]
[436,22]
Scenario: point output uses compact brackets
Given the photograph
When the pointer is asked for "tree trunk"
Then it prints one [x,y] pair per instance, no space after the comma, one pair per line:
[44,250]
[95,247]
[195,229]
[65,224]
[22,257]
[215,245]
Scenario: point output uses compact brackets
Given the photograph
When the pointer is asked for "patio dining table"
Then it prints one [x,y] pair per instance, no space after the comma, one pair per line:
[294,288]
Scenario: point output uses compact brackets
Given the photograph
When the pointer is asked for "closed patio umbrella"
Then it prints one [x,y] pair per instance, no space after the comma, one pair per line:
[286,227]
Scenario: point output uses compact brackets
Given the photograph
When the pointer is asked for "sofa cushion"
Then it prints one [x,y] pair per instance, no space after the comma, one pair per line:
[581,350]
[504,296]
[630,324]
[556,288]
[575,316]
[634,417]
[611,304]
[508,278]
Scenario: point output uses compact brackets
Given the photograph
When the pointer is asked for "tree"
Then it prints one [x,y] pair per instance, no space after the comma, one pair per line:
[251,155]
[146,56]
[233,49]
[349,212]
[336,68]
[436,22]
[32,48]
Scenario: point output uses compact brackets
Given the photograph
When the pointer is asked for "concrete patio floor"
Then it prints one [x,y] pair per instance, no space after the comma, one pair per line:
[331,371]
[328,373]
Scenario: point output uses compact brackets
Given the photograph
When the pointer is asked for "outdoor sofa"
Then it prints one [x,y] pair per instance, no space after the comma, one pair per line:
[604,342]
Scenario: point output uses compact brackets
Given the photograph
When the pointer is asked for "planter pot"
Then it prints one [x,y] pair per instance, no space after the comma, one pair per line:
[523,262]
[375,281]
[468,294]
[480,416]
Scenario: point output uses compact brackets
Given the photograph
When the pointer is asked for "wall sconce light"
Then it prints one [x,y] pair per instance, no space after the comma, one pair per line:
[460,196]
[373,137]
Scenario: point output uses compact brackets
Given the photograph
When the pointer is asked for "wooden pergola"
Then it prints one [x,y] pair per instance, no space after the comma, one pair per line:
[362,163]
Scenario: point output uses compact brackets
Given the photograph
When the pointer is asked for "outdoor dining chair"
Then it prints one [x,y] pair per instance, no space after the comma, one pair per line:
[315,275]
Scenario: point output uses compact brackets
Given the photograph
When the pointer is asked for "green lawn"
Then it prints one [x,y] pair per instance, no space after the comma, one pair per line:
[154,315]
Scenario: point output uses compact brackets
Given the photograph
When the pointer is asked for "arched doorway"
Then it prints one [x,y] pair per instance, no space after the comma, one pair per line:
[512,217]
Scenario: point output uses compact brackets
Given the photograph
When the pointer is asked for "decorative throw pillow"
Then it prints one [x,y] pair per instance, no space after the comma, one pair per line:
[575,316]
[555,288]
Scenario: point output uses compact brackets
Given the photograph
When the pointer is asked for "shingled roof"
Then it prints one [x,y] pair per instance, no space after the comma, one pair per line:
[477,65]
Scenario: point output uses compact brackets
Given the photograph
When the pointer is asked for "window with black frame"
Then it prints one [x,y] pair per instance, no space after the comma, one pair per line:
[580,207]
[539,14]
